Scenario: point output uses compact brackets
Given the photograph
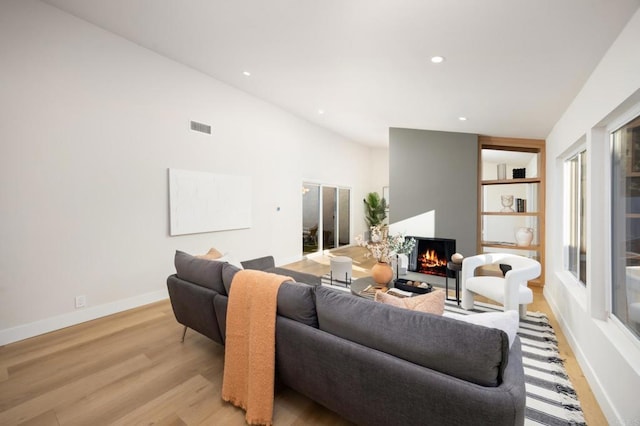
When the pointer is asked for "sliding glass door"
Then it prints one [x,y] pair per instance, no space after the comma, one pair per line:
[344,216]
[326,217]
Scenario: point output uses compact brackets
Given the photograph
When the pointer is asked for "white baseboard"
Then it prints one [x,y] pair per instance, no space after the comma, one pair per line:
[603,399]
[47,325]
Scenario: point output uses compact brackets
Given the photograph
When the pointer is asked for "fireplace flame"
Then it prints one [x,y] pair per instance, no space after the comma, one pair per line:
[430,259]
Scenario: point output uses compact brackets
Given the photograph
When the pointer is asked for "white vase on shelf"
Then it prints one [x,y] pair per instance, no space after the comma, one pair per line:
[502,171]
[524,236]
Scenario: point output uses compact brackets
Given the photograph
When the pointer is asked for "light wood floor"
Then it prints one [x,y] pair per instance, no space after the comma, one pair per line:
[130,368]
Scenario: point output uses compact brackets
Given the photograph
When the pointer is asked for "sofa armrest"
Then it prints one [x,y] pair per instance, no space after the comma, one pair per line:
[260,263]
[300,277]
[193,307]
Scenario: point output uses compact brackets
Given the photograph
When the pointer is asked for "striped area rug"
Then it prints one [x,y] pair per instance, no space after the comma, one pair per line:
[336,285]
[551,399]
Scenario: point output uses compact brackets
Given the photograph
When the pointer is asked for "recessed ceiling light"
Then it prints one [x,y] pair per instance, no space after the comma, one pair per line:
[246,73]
[320,111]
[462,118]
[437,59]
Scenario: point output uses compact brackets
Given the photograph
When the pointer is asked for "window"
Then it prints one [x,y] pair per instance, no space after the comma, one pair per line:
[625,215]
[326,217]
[575,216]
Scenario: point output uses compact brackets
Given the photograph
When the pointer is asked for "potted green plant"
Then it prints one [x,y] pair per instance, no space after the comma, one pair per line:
[375,209]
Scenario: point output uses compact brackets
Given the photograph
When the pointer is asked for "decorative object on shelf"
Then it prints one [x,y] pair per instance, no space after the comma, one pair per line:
[381,273]
[521,205]
[524,236]
[507,202]
[502,171]
[519,173]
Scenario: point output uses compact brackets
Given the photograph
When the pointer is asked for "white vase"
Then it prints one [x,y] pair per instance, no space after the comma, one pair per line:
[502,171]
[524,236]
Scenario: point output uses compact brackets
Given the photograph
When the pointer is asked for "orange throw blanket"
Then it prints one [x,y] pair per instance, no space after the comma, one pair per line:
[250,357]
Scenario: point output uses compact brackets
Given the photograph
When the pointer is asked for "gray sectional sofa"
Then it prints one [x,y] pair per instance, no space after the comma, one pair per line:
[371,363]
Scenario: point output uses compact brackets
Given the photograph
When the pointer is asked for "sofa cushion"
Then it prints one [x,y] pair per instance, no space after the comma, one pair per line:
[228,272]
[506,321]
[432,303]
[296,301]
[206,273]
[469,352]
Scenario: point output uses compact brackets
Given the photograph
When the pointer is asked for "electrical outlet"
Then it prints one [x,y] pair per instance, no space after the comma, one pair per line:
[81,301]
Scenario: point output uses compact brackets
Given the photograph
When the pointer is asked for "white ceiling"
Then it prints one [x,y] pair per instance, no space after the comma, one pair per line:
[512,66]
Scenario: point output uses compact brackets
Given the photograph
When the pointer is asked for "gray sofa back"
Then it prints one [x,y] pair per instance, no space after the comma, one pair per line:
[373,388]
[466,351]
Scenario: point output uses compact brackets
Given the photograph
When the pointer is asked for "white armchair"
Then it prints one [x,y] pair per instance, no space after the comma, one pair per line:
[510,290]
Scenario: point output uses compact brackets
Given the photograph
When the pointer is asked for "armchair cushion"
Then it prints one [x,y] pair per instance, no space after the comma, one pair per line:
[493,288]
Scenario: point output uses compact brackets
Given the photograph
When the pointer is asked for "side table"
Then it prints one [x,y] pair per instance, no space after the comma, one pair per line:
[358,286]
[456,268]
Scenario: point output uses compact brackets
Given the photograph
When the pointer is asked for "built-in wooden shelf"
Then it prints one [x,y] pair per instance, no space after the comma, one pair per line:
[510,181]
[510,213]
[533,146]
[511,246]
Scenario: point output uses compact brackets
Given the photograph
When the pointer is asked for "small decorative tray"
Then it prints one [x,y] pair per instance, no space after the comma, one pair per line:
[403,284]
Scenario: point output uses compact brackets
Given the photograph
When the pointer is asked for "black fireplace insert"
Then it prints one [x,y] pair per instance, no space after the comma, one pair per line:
[430,256]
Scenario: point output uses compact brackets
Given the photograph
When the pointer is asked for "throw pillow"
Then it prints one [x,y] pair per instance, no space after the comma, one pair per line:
[432,303]
[506,321]
[212,254]
[504,268]
[228,257]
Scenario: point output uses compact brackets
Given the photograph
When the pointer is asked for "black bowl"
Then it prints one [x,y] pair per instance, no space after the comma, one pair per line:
[402,285]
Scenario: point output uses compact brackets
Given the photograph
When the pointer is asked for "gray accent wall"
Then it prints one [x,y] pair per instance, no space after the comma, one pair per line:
[436,171]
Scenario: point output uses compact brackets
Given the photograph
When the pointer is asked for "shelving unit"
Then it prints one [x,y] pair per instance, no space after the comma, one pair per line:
[497,227]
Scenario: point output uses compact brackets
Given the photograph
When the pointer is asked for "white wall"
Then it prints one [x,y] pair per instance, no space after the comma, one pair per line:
[379,174]
[608,355]
[89,125]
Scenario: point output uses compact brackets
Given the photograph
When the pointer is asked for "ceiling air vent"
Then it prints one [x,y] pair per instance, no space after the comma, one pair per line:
[201,127]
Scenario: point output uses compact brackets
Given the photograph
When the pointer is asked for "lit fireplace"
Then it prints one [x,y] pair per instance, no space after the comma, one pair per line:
[430,256]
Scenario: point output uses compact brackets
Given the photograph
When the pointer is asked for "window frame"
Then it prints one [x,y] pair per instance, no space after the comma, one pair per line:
[630,115]
[575,151]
